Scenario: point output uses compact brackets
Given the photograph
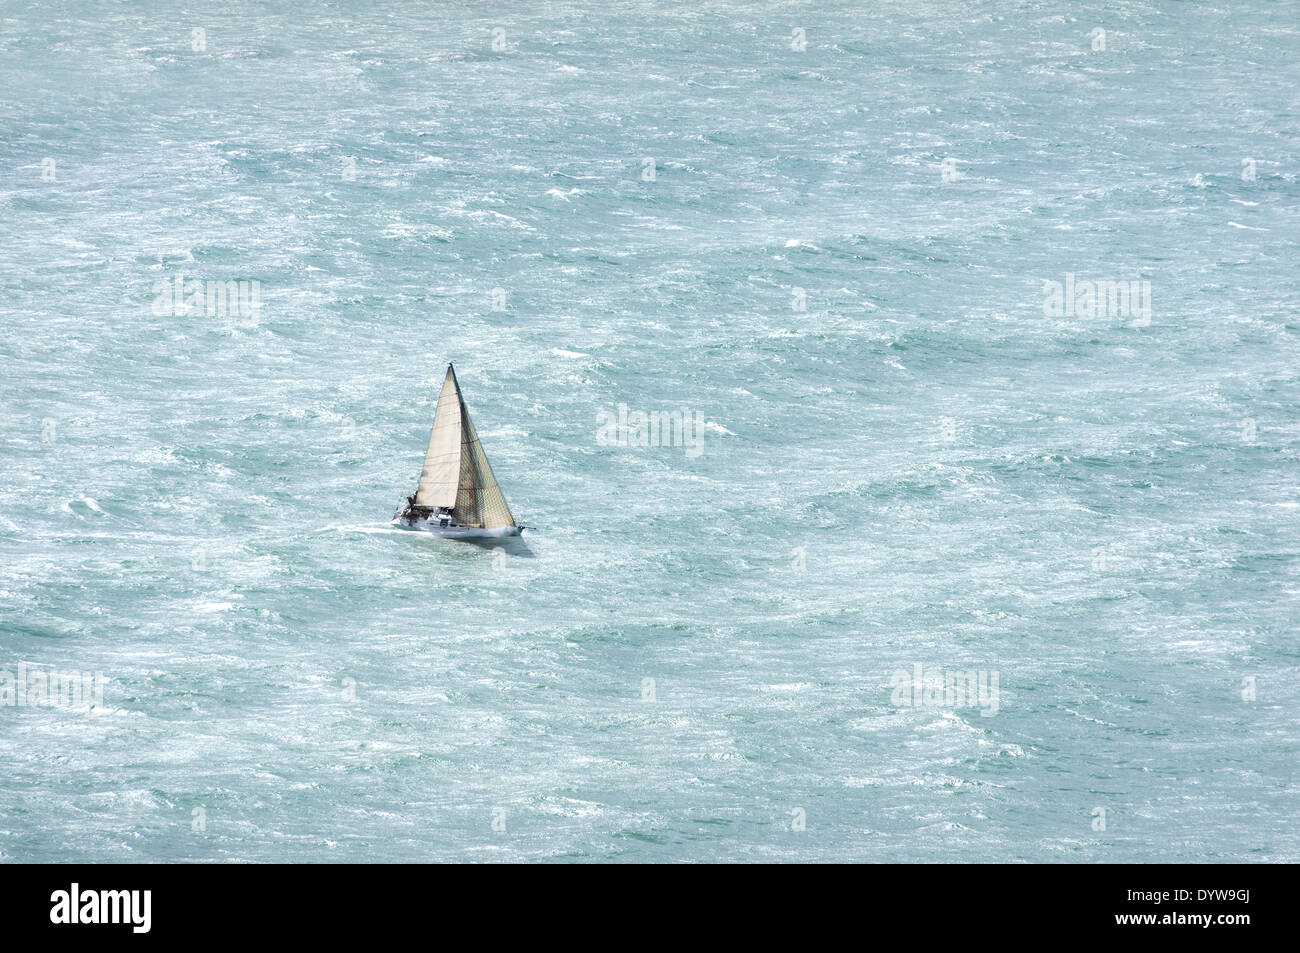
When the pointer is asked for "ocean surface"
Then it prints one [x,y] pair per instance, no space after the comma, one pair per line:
[845,241]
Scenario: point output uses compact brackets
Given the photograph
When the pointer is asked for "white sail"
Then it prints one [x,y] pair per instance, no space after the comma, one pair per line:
[440,478]
[479,501]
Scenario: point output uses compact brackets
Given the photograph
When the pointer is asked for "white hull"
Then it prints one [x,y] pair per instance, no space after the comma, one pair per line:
[459,532]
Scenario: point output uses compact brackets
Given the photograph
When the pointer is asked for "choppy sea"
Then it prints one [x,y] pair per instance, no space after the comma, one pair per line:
[979,541]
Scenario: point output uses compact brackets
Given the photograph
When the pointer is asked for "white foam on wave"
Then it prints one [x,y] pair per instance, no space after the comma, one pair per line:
[362,528]
[214,606]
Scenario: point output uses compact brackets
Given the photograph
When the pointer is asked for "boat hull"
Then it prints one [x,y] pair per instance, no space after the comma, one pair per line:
[459,532]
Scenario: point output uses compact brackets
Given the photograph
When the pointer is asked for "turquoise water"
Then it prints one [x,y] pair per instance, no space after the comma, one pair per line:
[834,262]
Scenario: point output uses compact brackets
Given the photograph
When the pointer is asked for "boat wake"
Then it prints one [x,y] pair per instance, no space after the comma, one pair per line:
[363,528]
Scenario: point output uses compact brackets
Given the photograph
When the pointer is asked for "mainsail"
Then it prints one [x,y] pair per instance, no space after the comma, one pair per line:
[456,470]
[441,473]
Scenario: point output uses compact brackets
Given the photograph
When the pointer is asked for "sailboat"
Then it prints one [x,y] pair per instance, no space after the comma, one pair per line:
[458,496]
